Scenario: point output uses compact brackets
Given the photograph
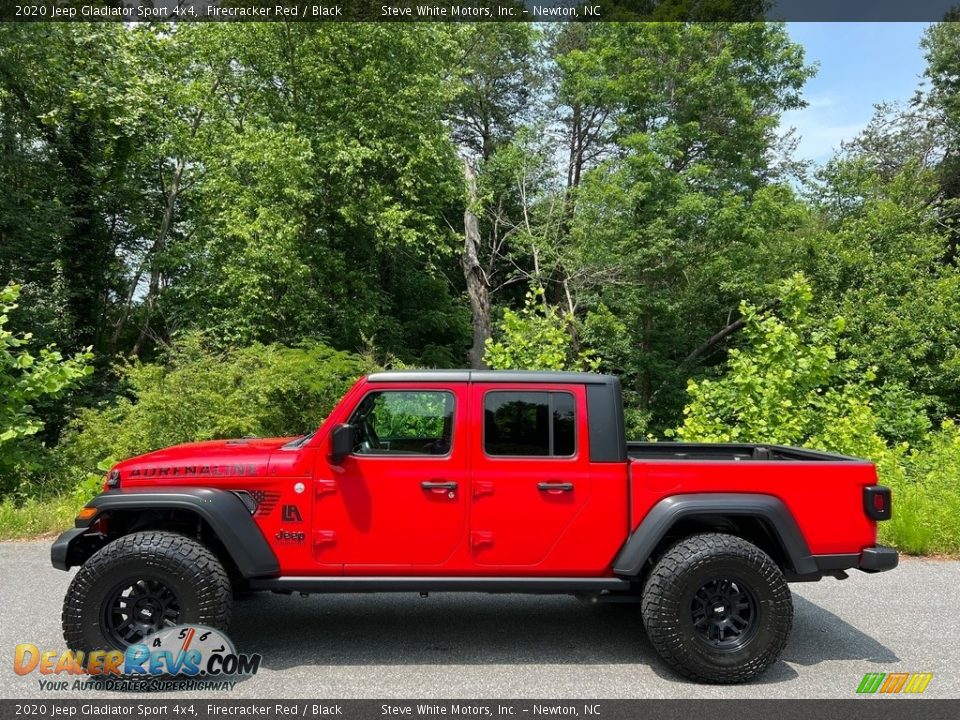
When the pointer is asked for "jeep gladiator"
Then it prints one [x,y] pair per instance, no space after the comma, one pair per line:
[488,481]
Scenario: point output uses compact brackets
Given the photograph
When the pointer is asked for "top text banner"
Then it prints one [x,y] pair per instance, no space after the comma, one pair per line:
[478,10]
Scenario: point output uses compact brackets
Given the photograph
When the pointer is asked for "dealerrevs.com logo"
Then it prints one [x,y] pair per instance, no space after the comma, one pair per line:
[183,657]
[894,683]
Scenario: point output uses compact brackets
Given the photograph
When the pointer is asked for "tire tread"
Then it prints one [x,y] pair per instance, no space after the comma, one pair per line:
[192,562]
[660,606]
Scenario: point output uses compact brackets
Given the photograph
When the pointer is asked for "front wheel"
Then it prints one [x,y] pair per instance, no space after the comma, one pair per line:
[140,584]
[717,609]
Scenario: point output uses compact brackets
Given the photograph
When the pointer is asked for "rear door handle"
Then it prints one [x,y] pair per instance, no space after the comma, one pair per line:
[555,486]
[438,485]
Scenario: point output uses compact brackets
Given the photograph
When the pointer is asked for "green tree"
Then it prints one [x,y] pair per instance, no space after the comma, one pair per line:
[879,253]
[320,211]
[683,216]
[787,385]
[70,132]
[537,338]
[25,378]
[942,45]
[202,392]
[496,86]
[495,94]
[880,264]
[263,183]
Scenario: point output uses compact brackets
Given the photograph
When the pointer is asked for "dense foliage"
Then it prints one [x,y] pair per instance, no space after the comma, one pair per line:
[789,385]
[201,394]
[238,219]
[25,379]
[537,338]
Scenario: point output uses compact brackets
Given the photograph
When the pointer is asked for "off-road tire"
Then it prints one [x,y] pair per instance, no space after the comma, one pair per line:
[193,573]
[670,602]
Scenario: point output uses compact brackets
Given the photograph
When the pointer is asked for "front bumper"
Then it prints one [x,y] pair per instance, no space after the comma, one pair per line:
[60,551]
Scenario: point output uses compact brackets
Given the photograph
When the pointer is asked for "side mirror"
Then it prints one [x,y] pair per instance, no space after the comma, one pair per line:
[342,442]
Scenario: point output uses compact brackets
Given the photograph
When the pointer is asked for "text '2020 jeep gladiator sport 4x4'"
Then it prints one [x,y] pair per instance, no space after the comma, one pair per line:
[478,481]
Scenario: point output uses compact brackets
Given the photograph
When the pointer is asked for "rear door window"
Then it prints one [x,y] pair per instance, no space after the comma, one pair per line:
[529,424]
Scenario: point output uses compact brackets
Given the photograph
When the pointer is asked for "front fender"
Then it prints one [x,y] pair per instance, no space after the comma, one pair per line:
[222,510]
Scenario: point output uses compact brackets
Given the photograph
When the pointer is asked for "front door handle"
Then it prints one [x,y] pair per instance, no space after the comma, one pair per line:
[555,487]
[438,485]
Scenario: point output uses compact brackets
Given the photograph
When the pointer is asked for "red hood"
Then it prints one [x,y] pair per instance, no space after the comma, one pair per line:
[208,459]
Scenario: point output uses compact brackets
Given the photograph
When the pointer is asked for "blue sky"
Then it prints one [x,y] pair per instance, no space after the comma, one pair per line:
[861,64]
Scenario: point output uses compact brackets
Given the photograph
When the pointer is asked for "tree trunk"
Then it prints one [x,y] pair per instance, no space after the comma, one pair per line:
[163,235]
[709,344]
[85,248]
[85,251]
[159,245]
[477,286]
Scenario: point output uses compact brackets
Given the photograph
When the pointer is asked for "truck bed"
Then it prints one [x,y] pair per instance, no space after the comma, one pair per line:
[640,451]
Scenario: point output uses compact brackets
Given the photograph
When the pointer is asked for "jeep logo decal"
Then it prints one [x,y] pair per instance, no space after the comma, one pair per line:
[290,536]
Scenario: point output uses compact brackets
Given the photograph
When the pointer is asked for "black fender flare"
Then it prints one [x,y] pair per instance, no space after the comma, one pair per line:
[666,513]
[222,510]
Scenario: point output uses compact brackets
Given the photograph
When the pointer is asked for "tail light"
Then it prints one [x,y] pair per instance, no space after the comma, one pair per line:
[877,502]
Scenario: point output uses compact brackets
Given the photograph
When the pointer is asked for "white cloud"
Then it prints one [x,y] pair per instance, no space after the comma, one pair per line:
[819,101]
[821,127]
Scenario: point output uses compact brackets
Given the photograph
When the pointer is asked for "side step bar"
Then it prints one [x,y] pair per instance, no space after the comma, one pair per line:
[350,584]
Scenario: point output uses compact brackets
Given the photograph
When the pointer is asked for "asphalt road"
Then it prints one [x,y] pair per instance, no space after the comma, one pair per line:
[484,646]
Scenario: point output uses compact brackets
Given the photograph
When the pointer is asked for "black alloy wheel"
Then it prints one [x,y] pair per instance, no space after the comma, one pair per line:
[724,613]
[717,608]
[137,609]
[141,583]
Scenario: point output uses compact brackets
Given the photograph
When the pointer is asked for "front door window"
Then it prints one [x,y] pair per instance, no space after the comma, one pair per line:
[404,422]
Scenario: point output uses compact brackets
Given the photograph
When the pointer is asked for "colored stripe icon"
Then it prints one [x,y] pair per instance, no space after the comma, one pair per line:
[907,683]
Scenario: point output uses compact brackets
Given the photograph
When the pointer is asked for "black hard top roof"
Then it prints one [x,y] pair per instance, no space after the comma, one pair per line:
[492,376]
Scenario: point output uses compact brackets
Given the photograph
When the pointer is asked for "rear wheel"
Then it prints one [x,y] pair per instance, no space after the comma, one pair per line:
[140,584]
[717,608]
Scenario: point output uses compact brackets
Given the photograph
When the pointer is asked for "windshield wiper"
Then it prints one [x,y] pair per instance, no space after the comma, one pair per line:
[300,441]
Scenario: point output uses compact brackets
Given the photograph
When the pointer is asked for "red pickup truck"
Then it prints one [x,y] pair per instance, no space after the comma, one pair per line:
[458,480]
